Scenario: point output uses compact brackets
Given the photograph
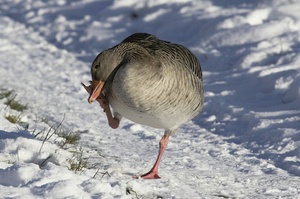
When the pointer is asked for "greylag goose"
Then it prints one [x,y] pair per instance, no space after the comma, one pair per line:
[149,81]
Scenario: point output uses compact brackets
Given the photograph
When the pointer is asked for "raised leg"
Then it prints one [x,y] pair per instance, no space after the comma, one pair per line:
[153,173]
[112,121]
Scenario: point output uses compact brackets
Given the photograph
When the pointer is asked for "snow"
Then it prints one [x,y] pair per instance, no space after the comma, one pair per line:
[244,144]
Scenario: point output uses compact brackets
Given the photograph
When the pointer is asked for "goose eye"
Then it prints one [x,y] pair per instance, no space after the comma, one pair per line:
[96,66]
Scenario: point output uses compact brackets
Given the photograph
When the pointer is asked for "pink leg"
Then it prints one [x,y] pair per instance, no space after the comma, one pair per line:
[112,121]
[153,173]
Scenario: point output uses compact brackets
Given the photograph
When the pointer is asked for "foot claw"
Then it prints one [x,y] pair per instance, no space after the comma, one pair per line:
[87,88]
[101,98]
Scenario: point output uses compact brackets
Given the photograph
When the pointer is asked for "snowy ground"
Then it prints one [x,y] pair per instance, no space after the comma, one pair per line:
[244,144]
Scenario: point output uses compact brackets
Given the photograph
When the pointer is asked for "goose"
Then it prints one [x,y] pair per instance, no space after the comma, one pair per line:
[148,81]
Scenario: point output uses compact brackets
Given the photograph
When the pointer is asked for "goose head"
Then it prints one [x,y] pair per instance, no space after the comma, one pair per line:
[102,67]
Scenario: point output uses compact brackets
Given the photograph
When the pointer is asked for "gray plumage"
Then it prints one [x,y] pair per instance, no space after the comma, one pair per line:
[150,81]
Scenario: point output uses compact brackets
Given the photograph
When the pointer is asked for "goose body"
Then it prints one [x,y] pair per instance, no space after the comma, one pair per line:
[149,81]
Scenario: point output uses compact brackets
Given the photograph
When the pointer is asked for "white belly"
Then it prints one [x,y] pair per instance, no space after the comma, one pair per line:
[148,118]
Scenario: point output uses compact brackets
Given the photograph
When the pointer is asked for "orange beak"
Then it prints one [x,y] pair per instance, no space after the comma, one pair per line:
[97,87]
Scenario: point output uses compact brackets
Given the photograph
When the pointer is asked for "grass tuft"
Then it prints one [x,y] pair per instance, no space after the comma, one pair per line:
[17,106]
[66,141]
[13,119]
[13,105]
[78,163]
[4,93]
[69,139]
